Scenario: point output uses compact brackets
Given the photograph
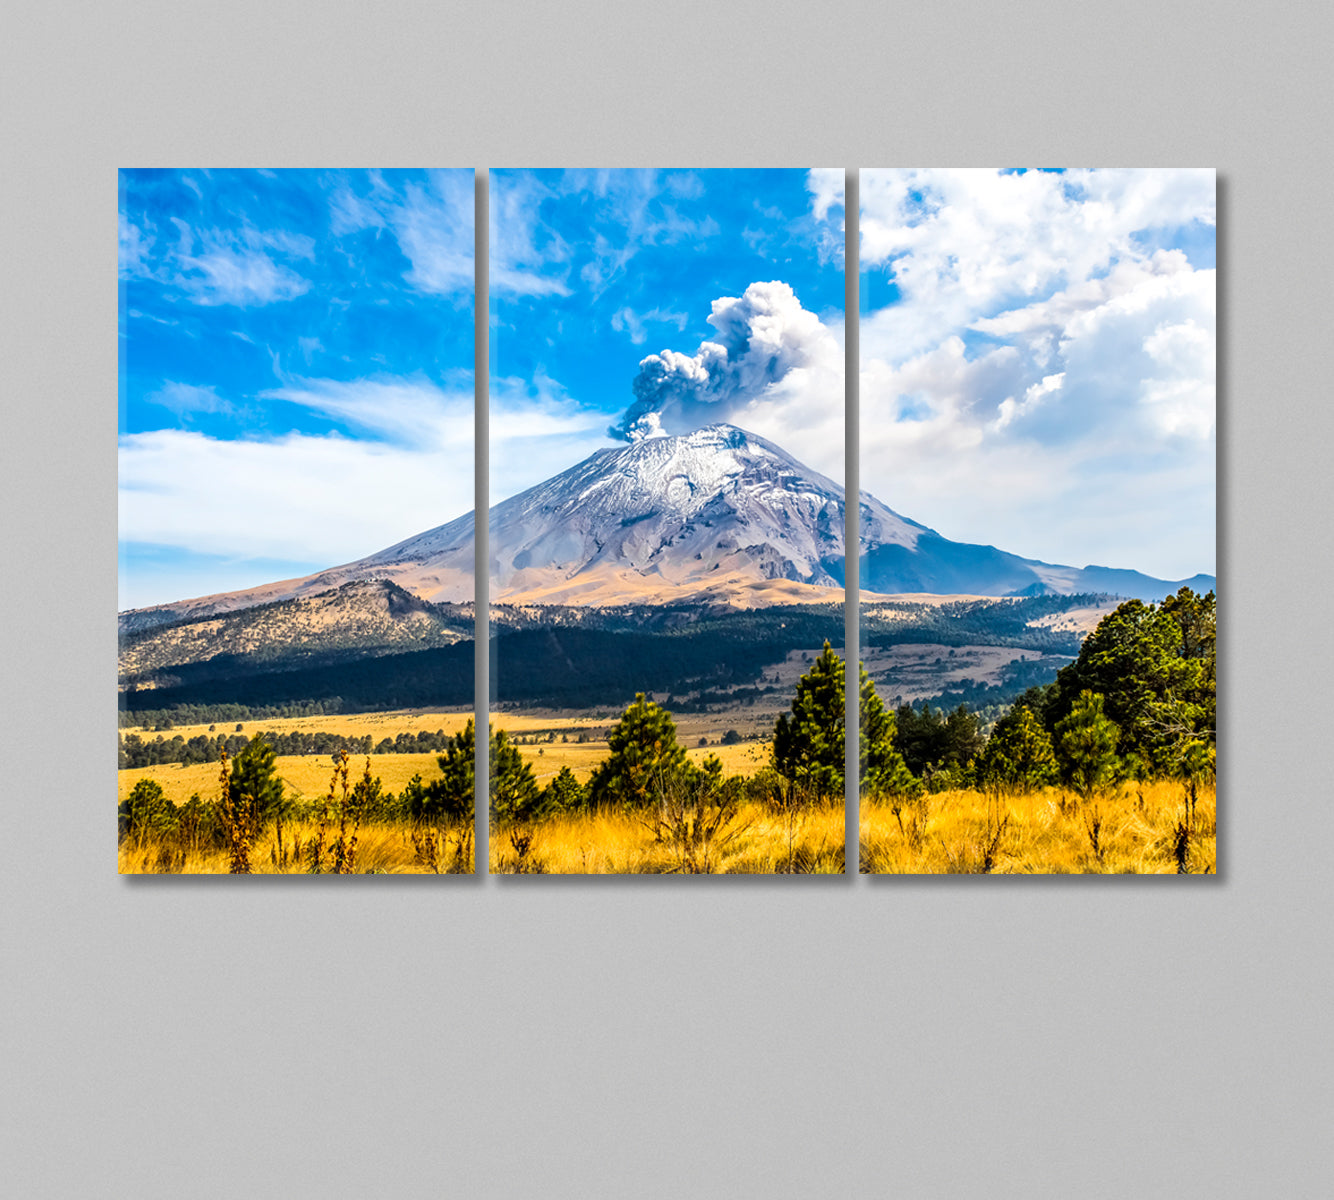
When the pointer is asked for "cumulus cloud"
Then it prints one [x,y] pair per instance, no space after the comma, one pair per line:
[1041,375]
[769,354]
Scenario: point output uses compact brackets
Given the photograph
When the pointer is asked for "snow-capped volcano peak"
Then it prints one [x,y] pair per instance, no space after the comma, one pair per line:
[711,511]
[718,511]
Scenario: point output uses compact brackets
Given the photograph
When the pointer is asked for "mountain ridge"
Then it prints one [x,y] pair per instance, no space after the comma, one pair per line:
[718,515]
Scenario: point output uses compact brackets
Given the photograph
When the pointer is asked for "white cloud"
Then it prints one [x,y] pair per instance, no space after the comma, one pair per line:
[435,231]
[627,209]
[407,411]
[536,431]
[299,498]
[1010,409]
[523,249]
[1045,380]
[303,498]
[825,185]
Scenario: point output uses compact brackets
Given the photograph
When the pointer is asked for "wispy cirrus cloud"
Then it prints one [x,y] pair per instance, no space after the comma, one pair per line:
[619,213]
[215,266]
[626,320]
[185,399]
[528,257]
[431,221]
[411,412]
[237,266]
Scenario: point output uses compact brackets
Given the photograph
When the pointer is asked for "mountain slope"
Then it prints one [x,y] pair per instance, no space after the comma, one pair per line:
[363,619]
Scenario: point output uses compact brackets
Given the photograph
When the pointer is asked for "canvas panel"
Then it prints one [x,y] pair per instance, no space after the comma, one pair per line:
[1037,405]
[296,408]
[666,530]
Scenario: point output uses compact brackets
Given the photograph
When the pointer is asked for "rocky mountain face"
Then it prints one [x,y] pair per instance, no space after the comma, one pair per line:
[717,516]
[365,619]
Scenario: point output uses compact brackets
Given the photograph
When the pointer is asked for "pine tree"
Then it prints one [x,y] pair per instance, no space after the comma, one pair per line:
[255,786]
[808,746]
[564,793]
[450,798]
[645,759]
[515,796]
[884,772]
[1155,667]
[1018,755]
[1087,741]
[146,810]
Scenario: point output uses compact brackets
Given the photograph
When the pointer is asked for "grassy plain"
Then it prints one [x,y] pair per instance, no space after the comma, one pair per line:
[753,841]
[1138,828]
[382,849]
[377,724]
[305,776]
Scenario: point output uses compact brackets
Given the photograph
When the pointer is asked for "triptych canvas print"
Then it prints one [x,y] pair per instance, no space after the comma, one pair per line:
[664,557]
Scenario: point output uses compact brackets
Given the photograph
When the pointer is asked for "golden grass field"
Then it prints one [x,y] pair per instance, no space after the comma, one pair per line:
[1134,829]
[1139,828]
[752,842]
[382,849]
[305,776]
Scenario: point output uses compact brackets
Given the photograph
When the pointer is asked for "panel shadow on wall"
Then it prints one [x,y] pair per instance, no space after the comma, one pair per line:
[296,392]
[666,536]
[1037,388]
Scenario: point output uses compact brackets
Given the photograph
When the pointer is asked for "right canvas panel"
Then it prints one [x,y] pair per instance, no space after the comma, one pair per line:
[1037,463]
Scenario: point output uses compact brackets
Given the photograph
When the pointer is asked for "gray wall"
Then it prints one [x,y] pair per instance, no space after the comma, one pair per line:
[497,1037]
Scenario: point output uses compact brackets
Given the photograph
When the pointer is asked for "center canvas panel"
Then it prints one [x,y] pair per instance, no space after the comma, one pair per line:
[666,538]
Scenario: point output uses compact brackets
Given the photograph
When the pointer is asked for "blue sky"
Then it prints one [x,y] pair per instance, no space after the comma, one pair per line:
[1038,360]
[594,272]
[296,370]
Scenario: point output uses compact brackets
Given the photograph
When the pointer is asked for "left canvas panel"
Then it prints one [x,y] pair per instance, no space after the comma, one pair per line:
[295,464]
